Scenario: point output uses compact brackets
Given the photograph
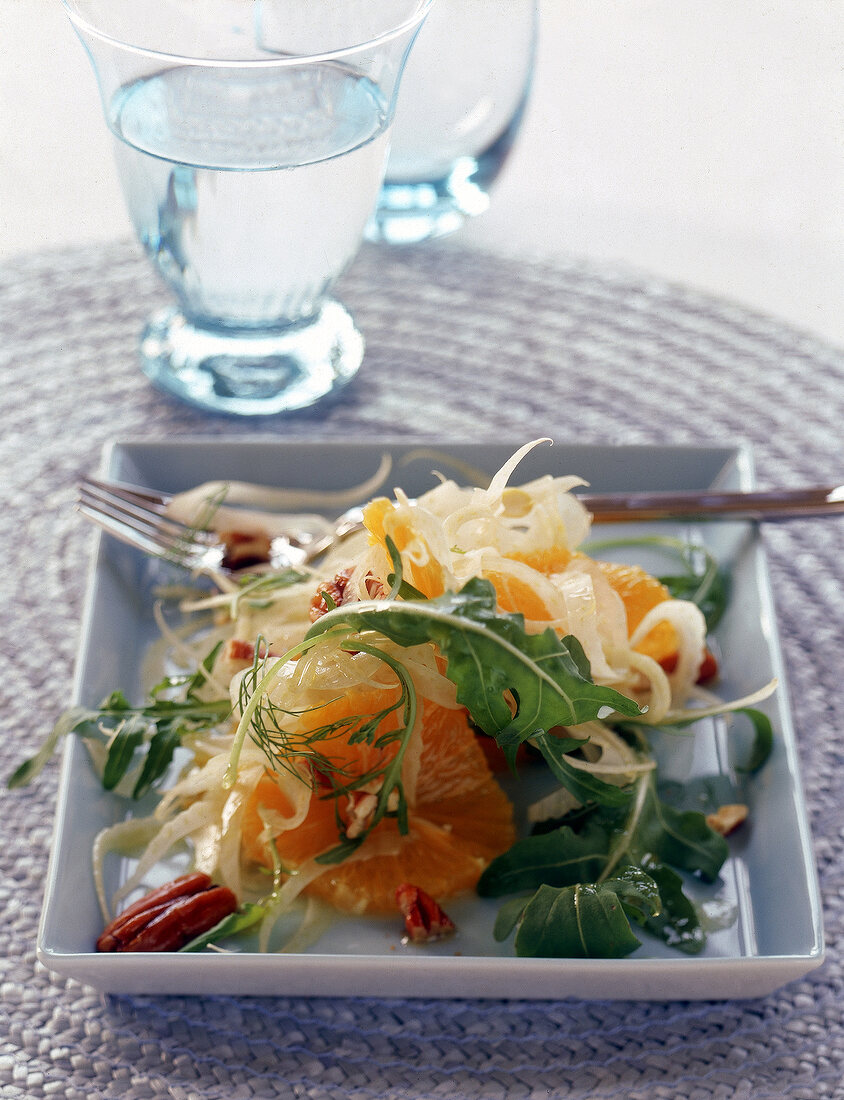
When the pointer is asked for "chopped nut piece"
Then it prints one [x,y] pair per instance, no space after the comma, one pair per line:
[335,591]
[360,806]
[329,594]
[424,918]
[727,818]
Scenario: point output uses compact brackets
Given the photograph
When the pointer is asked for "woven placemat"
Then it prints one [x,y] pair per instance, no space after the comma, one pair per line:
[460,346]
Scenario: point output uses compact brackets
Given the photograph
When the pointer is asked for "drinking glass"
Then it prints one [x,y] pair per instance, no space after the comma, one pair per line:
[463,95]
[250,138]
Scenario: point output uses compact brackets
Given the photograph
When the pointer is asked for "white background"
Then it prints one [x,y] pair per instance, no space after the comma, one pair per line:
[699,140]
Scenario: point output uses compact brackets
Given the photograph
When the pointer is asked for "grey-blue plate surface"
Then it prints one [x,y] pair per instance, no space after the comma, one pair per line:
[769,881]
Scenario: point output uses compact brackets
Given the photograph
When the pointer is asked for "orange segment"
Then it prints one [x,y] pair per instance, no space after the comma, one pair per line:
[270,799]
[459,820]
[441,861]
[348,713]
[640,592]
[381,519]
[515,594]
[374,516]
[553,559]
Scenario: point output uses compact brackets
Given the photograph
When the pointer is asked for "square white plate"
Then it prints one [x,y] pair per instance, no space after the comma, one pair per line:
[770,878]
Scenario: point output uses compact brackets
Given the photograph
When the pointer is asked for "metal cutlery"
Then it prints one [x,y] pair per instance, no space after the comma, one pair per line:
[140,517]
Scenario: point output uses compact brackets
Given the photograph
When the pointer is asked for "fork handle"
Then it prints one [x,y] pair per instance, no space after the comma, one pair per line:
[712,504]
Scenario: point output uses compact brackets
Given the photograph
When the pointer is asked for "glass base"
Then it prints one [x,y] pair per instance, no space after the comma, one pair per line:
[245,373]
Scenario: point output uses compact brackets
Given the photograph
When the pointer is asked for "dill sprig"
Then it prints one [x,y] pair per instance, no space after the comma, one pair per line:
[277,731]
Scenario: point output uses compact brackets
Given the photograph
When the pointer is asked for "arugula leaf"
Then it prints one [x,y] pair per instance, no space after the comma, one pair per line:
[677,925]
[127,738]
[638,892]
[68,721]
[125,729]
[584,921]
[710,591]
[559,858]
[495,664]
[248,915]
[584,786]
[640,839]
[651,828]
[702,582]
[160,751]
[679,837]
[704,793]
[763,740]
[508,917]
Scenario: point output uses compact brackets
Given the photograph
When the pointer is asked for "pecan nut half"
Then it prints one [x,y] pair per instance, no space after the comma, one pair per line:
[168,918]
[424,918]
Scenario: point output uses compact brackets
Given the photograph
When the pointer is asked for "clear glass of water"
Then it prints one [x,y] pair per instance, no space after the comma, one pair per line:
[250,138]
[460,108]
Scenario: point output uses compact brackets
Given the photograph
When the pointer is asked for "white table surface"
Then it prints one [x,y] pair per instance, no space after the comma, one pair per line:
[700,141]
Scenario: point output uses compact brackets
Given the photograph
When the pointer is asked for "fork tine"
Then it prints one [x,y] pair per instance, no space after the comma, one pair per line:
[120,529]
[118,503]
[148,499]
[146,531]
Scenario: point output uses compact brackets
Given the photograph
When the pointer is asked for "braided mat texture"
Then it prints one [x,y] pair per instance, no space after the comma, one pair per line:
[461,346]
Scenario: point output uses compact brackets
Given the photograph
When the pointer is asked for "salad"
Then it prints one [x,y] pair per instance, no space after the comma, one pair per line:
[347,738]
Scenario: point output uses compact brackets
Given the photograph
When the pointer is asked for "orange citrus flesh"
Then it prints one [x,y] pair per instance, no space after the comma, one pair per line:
[460,819]
[514,594]
[381,520]
[640,593]
[553,559]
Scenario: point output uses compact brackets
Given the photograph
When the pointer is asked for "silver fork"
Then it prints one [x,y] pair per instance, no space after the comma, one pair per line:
[140,517]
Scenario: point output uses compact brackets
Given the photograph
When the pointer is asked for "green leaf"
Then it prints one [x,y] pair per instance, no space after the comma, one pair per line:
[127,738]
[241,920]
[585,921]
[677,925]
[584,786]
[638,893]
[508,917]
[710,591]
[199,679]
[678,837]
[162,746]
[638,841]
[115,703]
[704,793]
[116,723]
[559,858]
[31,767]
[763,740]
[494,663]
